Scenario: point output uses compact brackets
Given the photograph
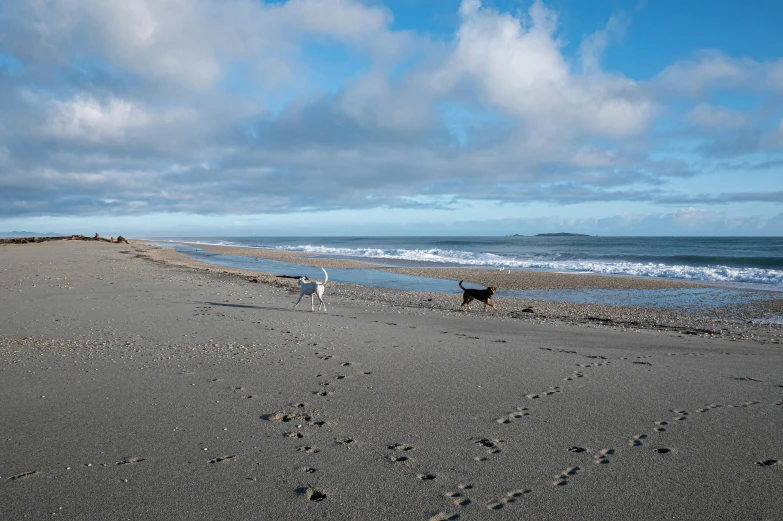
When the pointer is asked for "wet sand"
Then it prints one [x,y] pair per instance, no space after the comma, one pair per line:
[140,384]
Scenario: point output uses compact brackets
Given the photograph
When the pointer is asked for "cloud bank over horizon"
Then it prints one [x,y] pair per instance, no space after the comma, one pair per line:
[284,111]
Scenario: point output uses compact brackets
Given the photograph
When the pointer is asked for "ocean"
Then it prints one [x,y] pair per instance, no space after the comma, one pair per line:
[743,261]
[749,268]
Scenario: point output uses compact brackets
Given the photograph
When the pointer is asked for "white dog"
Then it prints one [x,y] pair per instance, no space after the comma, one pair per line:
[313,288]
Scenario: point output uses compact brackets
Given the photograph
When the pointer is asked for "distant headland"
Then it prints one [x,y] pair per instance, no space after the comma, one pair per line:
[559,234]
[28,234]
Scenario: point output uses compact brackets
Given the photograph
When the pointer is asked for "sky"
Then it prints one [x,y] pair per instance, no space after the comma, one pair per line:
[152,118]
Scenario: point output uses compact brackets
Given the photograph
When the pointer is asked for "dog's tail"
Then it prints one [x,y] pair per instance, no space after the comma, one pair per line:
[460,284]
[326,275]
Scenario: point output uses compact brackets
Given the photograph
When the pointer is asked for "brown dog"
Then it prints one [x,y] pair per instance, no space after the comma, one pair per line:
[482,295]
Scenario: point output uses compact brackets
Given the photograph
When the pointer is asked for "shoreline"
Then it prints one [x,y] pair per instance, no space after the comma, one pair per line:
[736,322]
[505,279]
[603,277]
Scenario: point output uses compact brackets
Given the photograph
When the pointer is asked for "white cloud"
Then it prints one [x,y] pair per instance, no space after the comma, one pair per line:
[708,70]
[694,218]
[688,221]
[776,139]
[346,20]
[52,176]
[518,67]
[87,118]
[372,101]
[593,46]
[193,43]
[593,157]
[171,40]
[713,117]
[775,76]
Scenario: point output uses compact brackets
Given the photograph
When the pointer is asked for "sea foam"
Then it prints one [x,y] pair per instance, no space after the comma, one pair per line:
[490,260]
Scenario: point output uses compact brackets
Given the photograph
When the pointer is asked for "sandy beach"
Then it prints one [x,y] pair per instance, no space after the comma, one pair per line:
[140,384]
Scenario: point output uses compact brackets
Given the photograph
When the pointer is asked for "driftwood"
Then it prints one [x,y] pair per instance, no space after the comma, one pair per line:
[26,240]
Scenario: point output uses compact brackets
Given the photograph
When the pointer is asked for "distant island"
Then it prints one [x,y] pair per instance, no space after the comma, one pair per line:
[561,234]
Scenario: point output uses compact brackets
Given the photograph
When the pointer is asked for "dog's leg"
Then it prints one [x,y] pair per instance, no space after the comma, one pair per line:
[321,300]
[312,301]
[321,297]
[300,299]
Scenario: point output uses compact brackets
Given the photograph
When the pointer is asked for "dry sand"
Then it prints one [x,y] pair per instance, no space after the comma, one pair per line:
[142,390]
